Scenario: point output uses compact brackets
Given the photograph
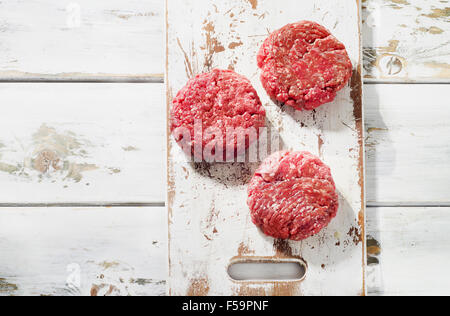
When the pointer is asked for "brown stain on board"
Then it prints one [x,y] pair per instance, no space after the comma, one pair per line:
[6,287]
[432,30]
[198,287]
[254,4]
[282,248]
[212,46]
[286,289]
[109,265]
[125,15]
[53,148]
[373,251]
[105,290]
[400,2]
[250,290]
[208,224]
[235,45]
[391,48]
[439,14]
[244,250]
[268,289]
[130,148]
[94,290]
[45,160]
[54,153]
[187,62]
[355,235]
[443,68]
[376,129]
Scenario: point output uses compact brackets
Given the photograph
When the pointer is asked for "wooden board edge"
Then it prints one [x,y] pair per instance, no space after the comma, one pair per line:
[357,96]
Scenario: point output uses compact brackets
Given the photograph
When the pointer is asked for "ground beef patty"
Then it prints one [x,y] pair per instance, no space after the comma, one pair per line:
[221,100]
[303,65]
[292,196]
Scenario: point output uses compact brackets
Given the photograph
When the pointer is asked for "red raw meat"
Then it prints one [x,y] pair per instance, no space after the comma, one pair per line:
[220,99]
[303,65]
[292,196]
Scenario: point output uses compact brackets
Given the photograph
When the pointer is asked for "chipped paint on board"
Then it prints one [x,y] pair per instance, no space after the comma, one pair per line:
[194,188]
[414,39]
[254,4]
[7,287]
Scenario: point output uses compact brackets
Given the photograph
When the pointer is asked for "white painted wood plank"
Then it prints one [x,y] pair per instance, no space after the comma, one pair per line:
[37,246]
[406,40]
[47,39]
[77,143]
[119,126]
[83,251]
[407,144]
[209,219]
[41,39]
[413,251]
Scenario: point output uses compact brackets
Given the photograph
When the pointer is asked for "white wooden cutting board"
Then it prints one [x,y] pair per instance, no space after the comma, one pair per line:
[209,221]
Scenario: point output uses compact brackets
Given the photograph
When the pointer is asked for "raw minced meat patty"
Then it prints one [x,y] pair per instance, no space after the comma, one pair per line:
[303,65]
[221,99]
[292,196]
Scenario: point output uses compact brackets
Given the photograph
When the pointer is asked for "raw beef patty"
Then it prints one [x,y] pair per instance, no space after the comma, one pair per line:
[292,196]
[216,101]
[303,65]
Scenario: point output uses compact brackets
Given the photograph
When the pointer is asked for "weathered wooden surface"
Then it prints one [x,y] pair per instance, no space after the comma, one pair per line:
[209,220]
[407,144]
[122,40]
[82,39]
[408,251]
[83,251]
[406,40]
[80,143]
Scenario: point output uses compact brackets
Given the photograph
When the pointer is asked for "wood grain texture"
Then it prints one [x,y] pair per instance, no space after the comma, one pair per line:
[128,246]
[408,251]
[83,251]
[407,144]
[123,40]
[406,41]
[66,143]
[209,221]
[48,40]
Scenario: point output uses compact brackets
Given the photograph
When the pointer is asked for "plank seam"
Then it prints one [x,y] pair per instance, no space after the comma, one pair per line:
[410,205]
[163,204]
[161,80]
[67,205]
[84,80]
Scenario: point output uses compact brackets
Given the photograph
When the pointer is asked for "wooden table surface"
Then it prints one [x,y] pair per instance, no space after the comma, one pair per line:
[82,146]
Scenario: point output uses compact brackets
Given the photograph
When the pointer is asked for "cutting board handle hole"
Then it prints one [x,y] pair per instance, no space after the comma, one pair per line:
[266,270]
